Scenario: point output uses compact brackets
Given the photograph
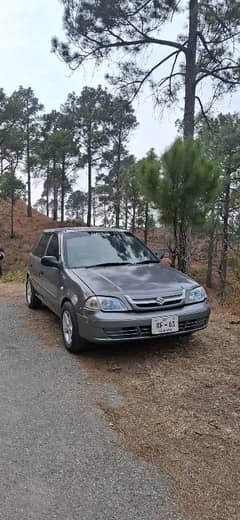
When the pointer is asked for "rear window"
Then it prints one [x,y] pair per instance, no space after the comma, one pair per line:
[41,245]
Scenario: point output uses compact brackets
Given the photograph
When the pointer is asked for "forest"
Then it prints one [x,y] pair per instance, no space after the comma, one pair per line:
[193,188]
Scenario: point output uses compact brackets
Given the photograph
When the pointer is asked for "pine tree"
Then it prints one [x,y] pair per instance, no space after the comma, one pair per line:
[88,113]
[182,186]
[221,140]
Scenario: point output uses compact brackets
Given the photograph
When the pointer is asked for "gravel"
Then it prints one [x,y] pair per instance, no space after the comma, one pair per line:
[58,456]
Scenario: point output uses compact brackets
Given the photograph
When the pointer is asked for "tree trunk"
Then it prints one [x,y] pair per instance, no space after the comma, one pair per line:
[89,214]
[55,202]
[146,223]
[12,207]
[63,190]
[12,216]
[55,193]
[12,203]
[134,218]
[184,256]
[184,261]
[29,205]
[211,245]
[126,214]
[210,259]
[224,252]
[47,190]
[89,152]
[174,250]
[94,209]
[190,76]
[82,215]
[117,205]
[105,217]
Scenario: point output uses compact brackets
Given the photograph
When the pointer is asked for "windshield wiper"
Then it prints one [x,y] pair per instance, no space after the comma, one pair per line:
[109,264]
[147,262]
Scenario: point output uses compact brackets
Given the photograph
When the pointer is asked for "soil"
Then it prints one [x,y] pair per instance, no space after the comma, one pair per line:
[181,411]
[26,231]
[11,290]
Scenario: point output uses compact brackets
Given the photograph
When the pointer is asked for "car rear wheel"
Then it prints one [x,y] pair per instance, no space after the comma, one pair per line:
[72,341]
[32,300]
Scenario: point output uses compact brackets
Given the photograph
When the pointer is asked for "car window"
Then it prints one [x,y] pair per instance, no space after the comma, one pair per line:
[87,249]
[53,246]
[41,245]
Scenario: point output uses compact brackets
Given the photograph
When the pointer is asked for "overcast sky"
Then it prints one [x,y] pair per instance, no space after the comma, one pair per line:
[26,29]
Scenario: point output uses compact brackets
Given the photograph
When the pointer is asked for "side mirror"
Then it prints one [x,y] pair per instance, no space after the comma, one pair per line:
[160,255]
[50,261]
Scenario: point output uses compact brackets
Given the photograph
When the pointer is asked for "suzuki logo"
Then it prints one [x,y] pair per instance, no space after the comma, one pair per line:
[160,301]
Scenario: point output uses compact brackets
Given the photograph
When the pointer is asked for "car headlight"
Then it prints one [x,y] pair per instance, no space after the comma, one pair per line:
[196,295]
[105,304]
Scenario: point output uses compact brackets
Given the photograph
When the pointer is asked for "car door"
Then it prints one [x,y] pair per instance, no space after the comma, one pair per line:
[51,276]
[34,266]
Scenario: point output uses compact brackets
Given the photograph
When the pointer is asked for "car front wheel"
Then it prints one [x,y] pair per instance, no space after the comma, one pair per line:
[72,341]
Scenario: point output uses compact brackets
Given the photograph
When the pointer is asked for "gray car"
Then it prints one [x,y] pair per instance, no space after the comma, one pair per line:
[107,286]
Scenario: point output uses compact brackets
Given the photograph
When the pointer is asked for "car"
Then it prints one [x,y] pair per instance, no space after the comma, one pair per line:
[107,286]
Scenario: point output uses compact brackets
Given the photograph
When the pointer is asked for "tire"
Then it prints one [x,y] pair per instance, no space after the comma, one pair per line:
[69,326]
[32,300]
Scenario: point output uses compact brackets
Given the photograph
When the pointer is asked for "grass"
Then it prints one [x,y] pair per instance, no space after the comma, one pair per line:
[16,276]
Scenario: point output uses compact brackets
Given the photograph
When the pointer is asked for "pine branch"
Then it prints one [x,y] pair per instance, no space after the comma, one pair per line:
[172,71]
[79,58]
[205,45]
[215,73]
[149,73]
[203,111]
[140,8]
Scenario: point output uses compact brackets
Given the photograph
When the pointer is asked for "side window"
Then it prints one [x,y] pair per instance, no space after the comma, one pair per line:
[53,247]
[41,245]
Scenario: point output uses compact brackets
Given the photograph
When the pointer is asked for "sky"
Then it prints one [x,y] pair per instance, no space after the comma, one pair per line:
[26,29]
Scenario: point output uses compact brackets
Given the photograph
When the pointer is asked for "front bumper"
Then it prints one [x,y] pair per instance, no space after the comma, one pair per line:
[102,327]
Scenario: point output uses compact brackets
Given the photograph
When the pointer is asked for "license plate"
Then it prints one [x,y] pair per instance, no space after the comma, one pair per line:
[165,324]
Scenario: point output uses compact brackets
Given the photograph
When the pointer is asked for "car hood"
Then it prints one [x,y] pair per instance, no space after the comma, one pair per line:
[134,280]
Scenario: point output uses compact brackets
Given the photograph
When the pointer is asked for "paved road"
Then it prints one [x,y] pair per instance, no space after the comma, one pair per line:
[58,458]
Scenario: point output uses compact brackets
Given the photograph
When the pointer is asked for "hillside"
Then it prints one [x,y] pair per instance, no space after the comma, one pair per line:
[25,229]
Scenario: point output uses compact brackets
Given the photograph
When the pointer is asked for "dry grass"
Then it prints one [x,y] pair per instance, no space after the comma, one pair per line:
[26,231]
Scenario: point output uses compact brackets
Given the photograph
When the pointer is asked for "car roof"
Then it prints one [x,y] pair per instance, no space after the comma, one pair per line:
[89,229]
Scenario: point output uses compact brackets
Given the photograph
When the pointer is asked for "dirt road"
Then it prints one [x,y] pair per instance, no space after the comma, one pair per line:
[59,454]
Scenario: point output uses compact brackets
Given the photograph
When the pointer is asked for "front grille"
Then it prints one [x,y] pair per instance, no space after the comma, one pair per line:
[124,332]
[192,324]
[146,331]
[168,301]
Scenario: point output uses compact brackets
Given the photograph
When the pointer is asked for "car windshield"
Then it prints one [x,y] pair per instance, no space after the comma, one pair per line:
[102,248]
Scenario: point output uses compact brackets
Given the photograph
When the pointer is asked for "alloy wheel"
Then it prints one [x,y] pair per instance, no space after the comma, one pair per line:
[67,326]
